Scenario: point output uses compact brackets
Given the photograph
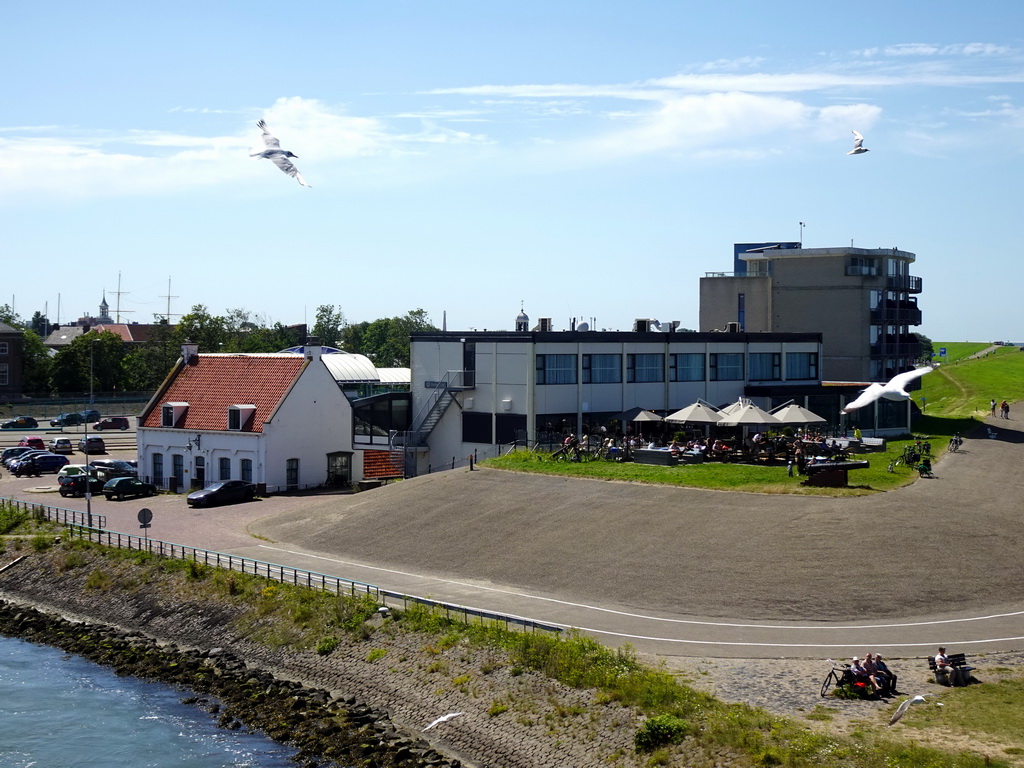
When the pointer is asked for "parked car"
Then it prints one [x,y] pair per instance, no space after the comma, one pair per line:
[19,422]
[121,487]
[36,464]
[221,493]
[61,445]
[73,470]
[33,442]
[108,468]
[89,415]
[111,422]
[91,444]
[67,420]
[24,455]
[9,454]
[74,485]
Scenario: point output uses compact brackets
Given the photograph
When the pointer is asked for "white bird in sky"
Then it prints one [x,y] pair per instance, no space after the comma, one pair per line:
[894,389]
[278,156]
[858,145]
[441,719]
[901,710]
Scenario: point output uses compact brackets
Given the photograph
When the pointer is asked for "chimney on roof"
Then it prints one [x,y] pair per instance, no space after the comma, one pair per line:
[313,348]
[190,352]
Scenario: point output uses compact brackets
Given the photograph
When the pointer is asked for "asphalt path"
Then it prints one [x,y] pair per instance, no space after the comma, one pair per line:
[673,572]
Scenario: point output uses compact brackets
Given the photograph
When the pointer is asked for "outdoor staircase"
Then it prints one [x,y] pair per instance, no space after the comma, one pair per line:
[439,401]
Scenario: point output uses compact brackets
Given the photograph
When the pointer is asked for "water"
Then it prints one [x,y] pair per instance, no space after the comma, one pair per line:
[61,711]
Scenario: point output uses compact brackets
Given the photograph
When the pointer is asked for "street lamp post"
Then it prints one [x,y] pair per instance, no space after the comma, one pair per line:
[88,485]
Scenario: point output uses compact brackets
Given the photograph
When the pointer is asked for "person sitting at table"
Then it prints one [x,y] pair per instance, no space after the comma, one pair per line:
[674,448]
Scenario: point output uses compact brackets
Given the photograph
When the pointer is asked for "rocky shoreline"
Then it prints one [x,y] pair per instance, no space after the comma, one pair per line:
[364,704]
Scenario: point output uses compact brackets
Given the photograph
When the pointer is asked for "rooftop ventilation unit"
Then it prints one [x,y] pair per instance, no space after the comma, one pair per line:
[544,324]
[732,327]
[642,325]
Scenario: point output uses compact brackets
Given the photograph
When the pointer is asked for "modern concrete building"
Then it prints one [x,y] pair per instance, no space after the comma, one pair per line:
[476,391]
[862,301]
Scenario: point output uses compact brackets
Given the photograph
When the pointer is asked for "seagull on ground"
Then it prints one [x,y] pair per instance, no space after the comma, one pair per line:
[278,156]
[441,719]
[894,389]
[901,710]
[858,145]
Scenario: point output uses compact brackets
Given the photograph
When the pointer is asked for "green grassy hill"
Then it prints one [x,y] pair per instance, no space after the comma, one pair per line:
[962,386]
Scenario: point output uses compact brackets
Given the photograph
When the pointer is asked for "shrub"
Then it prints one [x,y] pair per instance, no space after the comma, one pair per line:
[10,518]
[660,731]
[327,645]
[376,653]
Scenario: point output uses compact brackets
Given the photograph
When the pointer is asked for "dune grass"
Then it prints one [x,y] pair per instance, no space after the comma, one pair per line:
[963,387]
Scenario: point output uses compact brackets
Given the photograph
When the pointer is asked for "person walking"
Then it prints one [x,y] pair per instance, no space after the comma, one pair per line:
[992,406]
[1004,409]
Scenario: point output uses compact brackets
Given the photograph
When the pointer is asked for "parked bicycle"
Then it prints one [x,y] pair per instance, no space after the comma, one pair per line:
[837,677]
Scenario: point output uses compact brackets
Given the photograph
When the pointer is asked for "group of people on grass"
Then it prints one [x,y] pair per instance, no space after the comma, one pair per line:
[1004,409]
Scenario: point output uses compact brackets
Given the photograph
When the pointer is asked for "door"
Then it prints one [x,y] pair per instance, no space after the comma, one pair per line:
[292,475]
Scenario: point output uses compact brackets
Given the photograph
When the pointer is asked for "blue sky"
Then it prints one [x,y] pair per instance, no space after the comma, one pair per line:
[578,159]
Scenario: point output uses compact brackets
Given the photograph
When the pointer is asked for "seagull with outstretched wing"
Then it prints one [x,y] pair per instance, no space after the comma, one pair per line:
[442,719]
[894,389]
[278,156]
[901,710]
[858,145]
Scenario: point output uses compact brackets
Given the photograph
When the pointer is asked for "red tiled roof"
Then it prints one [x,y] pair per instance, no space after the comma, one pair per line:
[216,382]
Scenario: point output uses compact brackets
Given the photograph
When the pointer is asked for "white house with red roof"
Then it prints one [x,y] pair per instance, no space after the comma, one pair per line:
[279,420]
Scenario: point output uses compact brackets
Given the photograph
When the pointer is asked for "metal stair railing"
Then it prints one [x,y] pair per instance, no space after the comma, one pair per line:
[431,411]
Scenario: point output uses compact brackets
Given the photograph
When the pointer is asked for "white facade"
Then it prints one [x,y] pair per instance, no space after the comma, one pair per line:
[508,378]
[307,431]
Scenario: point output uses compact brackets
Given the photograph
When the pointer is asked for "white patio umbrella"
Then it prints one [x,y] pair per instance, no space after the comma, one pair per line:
[698,413]
[796,414]
[746,413]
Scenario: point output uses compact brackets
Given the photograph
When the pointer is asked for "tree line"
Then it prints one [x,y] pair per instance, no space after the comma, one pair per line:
[101,359]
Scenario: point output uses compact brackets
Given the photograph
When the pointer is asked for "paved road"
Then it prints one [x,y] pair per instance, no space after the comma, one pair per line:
[675,572]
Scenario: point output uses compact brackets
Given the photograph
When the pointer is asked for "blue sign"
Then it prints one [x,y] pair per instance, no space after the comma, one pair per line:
[942,351]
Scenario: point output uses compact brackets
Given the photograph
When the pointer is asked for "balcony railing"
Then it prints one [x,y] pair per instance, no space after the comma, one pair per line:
[896,316]
[907,283]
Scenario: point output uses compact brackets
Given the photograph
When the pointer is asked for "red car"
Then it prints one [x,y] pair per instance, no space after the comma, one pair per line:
[33,442]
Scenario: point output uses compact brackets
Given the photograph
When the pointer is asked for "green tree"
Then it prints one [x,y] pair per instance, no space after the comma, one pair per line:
[36,362]
[330,326]
[146,365]
[8,315]
[99,354]
[202,328]
[41,324]
[386,341]
[927,347]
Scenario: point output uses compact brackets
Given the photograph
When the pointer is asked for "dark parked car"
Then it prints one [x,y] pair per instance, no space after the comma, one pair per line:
[33,442]
[74,485]
[120,487]
[23,455]
[111,422]
[221,493]
[91,444]
[61,445]
[67,420]
[10,454]
[37,463]
[89,415]
[109,468]
[19,422]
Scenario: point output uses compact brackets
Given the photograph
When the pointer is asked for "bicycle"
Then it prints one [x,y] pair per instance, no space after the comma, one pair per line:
[954,443]
[837,677]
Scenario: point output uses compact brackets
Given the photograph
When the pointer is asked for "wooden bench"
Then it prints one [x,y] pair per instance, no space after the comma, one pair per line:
[958,661]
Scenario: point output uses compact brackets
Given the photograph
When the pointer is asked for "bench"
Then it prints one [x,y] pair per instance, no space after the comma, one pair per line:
[831,474]
[959,662]
[873,443]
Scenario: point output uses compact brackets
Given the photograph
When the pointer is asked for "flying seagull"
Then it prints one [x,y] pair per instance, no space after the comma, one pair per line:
[901,710]
[278,156]
[894,389]
[441,719]
[858,145]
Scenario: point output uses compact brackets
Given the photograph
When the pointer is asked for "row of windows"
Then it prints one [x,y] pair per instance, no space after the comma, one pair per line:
[689,366]
[178,468]
[5,375]
[4,348]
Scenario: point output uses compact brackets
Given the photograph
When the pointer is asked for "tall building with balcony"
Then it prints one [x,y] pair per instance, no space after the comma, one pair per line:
[863,302]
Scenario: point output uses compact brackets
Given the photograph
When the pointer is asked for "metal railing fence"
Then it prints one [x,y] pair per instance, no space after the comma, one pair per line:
[77,525]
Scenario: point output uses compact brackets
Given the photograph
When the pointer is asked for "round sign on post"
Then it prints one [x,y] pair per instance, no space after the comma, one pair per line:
[145,517]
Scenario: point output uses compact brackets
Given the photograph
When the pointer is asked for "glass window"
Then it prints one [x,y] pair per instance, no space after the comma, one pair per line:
[765,366]
[178,466]
[247,470]
[5,376]
[158,469]
[645,368]
[234,419]
[291,474]
[602,369]
[686,366]
[726,366]
[801,365]
[3,348]
[225,468]
[167,416]
[556,369]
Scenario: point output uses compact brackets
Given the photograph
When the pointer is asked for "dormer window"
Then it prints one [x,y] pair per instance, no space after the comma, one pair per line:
[239,416]
[171,413]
